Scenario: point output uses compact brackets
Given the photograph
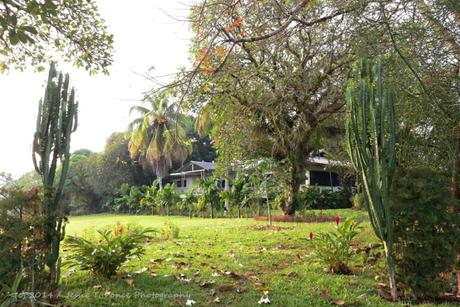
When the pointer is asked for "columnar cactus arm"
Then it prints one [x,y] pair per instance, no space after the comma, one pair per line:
[57,119]
[371,141]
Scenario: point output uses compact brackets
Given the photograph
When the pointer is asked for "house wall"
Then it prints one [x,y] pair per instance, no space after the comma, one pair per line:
[191,180]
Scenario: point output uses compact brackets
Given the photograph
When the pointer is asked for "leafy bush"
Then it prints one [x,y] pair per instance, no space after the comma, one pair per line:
[169,231]
[21,236]
[188,201]
[426,231]
[105,254]
[167,197]
[357,201]
[315,198]
[334,248]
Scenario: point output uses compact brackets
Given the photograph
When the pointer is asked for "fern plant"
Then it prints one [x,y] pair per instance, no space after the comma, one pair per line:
[111,248]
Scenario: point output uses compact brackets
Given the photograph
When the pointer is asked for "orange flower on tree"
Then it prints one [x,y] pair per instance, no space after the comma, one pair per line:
[237,21]
[220,51]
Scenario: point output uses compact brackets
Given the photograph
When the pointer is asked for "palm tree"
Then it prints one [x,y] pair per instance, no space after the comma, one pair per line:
[156,138]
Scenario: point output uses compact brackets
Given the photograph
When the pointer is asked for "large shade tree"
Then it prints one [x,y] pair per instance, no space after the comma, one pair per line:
[156,138]
[272,75]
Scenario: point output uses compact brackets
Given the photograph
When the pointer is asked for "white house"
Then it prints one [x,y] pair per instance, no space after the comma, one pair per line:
[318,173]
[186,176]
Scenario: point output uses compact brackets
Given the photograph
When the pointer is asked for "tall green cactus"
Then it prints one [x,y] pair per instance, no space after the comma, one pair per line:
[56,120]
[371,141]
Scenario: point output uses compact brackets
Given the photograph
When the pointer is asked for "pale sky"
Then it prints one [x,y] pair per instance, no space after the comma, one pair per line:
[145,36]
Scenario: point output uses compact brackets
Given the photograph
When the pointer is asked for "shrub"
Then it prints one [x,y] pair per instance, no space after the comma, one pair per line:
[105,254]
[169,231]
[315,198]
[21,236]
[334,248]
[357,201]
[426,231]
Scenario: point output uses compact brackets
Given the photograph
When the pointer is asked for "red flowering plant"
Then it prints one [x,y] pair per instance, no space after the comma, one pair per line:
[334,248]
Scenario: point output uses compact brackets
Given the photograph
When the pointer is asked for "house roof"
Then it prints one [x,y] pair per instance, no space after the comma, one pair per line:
[205,165]
[194,167]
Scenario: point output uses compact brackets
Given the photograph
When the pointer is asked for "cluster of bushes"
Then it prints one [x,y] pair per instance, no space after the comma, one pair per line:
[315,198]
[22,242]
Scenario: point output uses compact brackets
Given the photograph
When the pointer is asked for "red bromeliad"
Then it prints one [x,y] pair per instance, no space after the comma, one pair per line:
[311,235]
[337,220]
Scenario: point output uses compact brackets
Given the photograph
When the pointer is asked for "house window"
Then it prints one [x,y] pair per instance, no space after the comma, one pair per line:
[185,183]
[326,179]
[179,183]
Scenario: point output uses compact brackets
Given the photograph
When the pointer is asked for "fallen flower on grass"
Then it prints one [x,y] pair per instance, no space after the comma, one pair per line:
[190,302]
[264,299]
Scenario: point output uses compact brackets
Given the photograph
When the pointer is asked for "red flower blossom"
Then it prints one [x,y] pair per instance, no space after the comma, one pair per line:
[311,235]
[337,220]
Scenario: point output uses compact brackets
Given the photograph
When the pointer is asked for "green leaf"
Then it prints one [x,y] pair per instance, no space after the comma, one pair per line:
[14,39]
[30,29]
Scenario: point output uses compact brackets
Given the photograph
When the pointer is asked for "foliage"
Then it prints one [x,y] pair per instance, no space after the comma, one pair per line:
[358,201]
[315,198]
[239,194]
[156,138]
[22,250]
[169,231]
[189,200]
[56,121]
[149,198]
[167,197]
[427,231]
[32,31]
[334,248]
[105,254]
[106,171]
[136,194]
[371,144]
[210,194]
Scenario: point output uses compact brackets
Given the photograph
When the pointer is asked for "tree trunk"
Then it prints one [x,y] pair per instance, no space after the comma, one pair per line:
[212,212]
[454,183]
[227,189]
[269,213]
[297,177]
[160,182]
[239,212]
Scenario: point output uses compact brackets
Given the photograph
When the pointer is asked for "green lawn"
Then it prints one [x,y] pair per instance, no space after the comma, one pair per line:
[266,260]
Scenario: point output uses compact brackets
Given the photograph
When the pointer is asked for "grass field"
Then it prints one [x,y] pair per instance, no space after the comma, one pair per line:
[235,260]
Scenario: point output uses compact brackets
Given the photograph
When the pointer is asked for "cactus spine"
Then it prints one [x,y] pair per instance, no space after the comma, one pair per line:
[56,120]
[371,140]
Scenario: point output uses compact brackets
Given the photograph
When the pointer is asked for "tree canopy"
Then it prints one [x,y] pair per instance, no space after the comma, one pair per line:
[32,32]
